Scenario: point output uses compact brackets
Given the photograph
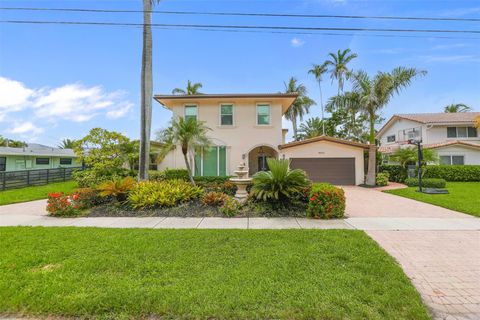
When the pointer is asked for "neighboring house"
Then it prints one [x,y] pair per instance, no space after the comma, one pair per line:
[247,128]
[36,156]
[452,135]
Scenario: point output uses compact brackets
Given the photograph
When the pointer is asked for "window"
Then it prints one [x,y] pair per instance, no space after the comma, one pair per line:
[461,132]
[40,161]
[226,114]
[191,112]
[263,114]
[211,161]
[3,163]
[66,161]
[452,160]
[391,138]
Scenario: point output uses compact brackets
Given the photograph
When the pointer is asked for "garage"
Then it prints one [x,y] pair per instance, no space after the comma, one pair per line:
[340,171]
[327,159]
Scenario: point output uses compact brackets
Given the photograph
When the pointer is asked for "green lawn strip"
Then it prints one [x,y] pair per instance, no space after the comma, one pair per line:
[35,193]
[463,197]
[221,274]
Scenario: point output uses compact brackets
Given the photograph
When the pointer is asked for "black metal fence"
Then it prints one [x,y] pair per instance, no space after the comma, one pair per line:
[25,178]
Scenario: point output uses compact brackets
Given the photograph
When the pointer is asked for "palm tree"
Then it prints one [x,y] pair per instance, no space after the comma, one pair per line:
[300,106]
[338,66]
[192,88]
[457,107]
[318,70]
[189,134]
[67,144]
[374,94]
[146,91]
[315,127]
[404,156]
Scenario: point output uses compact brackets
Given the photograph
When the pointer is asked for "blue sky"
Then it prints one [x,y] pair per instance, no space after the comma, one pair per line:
[60,81]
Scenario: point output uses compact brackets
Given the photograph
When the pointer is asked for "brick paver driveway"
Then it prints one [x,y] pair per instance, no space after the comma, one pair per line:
[443,265]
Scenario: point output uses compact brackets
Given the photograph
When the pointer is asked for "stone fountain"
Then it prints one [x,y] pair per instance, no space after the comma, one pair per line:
[241,181]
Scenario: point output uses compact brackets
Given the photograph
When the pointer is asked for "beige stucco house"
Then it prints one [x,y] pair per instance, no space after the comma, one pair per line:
[452,135]
[247,128]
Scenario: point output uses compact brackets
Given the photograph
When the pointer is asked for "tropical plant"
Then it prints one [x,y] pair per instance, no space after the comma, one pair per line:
[280,183]
[338,66]
[67,144]
[457,107]
[230,207]
[300,106]
[189,134]
[404,156]
[315,127]
[192,88]
[117,188]
[154,194]
[374,94]
[5,142]
[146,91]
[215,199]
[318,70]
[326,202]
[382,179]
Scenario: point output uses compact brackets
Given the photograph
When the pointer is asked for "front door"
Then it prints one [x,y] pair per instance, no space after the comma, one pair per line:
[262,163]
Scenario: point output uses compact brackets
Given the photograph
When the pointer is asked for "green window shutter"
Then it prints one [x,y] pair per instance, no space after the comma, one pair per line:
[210,161]
[222,161]
[198,163]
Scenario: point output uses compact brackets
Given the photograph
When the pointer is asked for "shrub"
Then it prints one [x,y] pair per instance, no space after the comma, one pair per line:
[87,197]
[118,188]
[230,207]
[92,178]
[396,173]
[426,182]
[454,173]
[62,205]
[176,174]
[211,179]
[227,187]
[326,202]
[156,175]
[280,183]
[215,199]
[152,194]
[382,179]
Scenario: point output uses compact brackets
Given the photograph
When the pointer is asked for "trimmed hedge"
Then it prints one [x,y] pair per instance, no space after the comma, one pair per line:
[396,173]
[463,173]
[426,182]
[326,201]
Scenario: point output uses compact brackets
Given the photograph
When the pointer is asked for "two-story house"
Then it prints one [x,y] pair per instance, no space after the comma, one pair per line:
[452,135]
[247,128]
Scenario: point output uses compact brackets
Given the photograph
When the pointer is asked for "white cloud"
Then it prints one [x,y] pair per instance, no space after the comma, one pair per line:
[296,42]
[26,128]
[14,96]
[120,111]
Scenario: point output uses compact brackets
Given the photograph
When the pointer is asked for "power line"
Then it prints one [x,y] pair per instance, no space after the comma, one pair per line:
[253,14]
[450,31]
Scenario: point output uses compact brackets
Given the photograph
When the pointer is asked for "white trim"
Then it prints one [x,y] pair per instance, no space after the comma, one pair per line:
[185,105]
[220,114]
[269,113]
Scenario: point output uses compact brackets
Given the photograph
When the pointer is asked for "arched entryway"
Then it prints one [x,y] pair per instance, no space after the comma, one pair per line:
[257,158]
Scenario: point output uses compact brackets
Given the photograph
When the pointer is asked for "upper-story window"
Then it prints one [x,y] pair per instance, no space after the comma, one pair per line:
[226,114]
[461,132]
[391,138]
[191,112]
[263,114]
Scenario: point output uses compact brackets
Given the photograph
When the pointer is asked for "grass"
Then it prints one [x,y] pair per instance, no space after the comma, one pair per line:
[35,193]
[201,274]
[463,197]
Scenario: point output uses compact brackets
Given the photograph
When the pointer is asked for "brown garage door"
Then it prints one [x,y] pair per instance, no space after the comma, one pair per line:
[339,171]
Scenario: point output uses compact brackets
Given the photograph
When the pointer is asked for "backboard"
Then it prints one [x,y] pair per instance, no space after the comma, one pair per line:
[410,135]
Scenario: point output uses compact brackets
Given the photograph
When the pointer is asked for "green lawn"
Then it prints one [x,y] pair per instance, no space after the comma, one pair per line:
[201,274]
[463,197]
[35,193]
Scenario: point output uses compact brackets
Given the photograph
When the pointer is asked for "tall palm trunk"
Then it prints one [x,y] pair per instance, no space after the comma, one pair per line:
[146,94]
[294,126]
[372,153]
[321,105]
[187,164]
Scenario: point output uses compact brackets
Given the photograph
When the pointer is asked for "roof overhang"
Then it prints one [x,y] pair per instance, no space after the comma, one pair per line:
[324,138]
[452,143]
[285,99]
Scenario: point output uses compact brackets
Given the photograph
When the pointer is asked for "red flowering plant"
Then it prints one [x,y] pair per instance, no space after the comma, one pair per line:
[326,202]
[62,205]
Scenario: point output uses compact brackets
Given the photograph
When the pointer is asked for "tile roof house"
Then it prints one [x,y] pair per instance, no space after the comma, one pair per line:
[452,135]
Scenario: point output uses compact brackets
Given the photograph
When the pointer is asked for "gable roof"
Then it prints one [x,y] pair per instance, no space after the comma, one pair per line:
[438,118]
[37,150]
[393,148]
[323,138]
[167,100]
